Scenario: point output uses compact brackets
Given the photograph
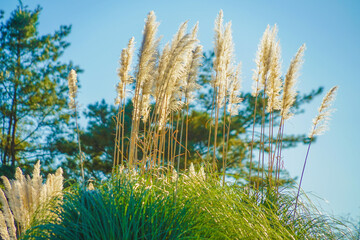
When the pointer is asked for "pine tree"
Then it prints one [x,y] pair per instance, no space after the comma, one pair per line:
[33,89]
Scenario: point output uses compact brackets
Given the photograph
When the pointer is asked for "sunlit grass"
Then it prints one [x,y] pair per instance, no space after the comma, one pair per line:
[159,206]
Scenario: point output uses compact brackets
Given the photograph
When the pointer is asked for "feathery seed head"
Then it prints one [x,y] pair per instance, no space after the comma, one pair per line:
[195,31]
[59,172]
[289,93]
[262,62]
[36,171]
[72,80]
[192,173]
[4,233]
[193,68]
[25,195]
[224,55]
[234,92]
[180,34]
[274,76]
[36,180]
[320,122]
[120,89]
[175,105]
[201,174]
[123,71]
[8,216]
[146,69]
[173,74]
[91,187]
[19,175]
[267,57]
[145,107]
[148,50]
[6,183]
[218,27]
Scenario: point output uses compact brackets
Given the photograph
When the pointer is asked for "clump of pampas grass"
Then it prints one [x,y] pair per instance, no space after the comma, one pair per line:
[166,78]
[23,196]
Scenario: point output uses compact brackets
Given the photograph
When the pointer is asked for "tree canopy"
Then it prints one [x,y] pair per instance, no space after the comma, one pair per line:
[33,90]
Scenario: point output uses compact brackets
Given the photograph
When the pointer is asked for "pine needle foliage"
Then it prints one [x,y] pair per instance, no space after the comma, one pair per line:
[33,89]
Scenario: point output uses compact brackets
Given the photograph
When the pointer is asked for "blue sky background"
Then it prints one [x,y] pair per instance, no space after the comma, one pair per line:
[330,29]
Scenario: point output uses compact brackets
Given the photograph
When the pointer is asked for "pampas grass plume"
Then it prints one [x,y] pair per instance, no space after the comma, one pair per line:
[320,122]
[262,61]
[234,92]
[191,84]
[123,71]
[8,217]
[23,196]
[4,233]
[274,80]
[289,93]
[72,81]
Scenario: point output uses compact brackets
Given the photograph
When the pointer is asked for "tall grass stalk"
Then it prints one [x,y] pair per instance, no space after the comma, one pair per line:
[72,84]
[253,128]
[288,98]
[125,79]
[144,79]
[223,66]
[263,62]
[233,91]
[273,103]
[320,125]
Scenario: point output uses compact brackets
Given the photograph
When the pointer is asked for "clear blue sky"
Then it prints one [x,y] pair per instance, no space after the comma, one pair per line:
[330,29]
